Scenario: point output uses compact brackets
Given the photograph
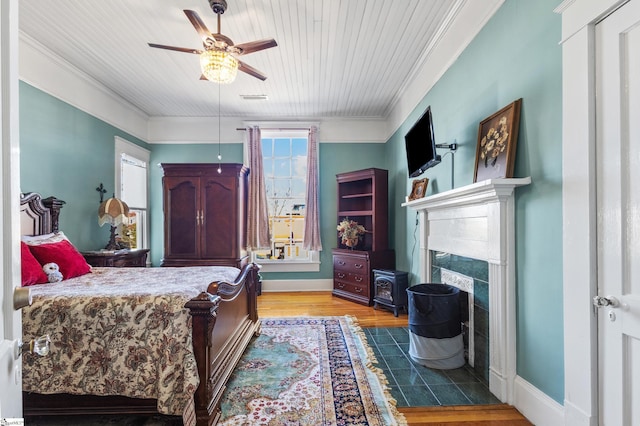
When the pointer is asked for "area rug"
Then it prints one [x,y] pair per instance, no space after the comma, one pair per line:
[309,371]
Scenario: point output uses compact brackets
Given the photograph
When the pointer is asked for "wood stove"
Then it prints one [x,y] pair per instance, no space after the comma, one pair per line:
[390,289]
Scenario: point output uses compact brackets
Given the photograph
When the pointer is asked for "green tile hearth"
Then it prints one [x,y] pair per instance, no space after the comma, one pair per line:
[413,385]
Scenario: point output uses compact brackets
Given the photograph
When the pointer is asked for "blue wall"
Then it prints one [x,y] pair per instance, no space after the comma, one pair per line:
[516,55]
[334,159]
[67,153]
[174,153]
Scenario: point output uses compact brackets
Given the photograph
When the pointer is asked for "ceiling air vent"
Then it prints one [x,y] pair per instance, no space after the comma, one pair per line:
[254,97]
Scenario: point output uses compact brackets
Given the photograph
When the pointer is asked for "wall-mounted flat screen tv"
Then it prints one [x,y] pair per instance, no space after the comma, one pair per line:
[420,145]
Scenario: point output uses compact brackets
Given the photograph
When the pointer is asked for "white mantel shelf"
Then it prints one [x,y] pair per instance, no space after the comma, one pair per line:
[477,221]
[484,191]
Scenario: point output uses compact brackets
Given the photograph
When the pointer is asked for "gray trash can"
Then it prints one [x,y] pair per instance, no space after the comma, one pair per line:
[435,338]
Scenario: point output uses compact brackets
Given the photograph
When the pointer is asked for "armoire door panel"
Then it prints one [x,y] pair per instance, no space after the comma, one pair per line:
[181,217]
[218,240]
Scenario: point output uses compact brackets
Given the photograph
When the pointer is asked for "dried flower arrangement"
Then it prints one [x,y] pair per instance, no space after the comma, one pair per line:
[350,232]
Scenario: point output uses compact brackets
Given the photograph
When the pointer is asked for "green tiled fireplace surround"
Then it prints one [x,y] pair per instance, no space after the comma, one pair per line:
[479,271]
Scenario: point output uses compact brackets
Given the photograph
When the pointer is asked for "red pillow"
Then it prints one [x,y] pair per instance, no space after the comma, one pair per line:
[70,261]
[32,272]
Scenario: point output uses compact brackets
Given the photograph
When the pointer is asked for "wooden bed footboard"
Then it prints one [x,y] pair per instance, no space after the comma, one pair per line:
[224,320]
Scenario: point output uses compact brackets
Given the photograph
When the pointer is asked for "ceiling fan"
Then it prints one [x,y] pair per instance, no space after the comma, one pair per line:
[218,60]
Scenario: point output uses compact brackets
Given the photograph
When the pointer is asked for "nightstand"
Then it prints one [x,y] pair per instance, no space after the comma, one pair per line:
[117,258]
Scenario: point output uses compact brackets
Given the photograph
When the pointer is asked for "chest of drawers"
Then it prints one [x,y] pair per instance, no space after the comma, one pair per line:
[352,273]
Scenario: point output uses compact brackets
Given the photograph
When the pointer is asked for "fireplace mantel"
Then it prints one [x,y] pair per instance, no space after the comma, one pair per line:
[477,221]
[479,192]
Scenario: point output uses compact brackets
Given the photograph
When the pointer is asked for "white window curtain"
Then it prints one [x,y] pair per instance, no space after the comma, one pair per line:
[257,211]
[312,239]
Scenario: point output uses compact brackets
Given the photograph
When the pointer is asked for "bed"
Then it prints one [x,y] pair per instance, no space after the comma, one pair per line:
[134,340]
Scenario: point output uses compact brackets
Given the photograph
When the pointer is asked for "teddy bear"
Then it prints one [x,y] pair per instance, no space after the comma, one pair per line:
[53,272]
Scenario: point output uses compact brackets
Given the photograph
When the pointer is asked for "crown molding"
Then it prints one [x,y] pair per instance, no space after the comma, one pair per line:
[457,32]
[52,74]
[172,130]
[46,71]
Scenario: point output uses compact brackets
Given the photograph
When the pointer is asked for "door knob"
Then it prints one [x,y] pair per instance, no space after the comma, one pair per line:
[39,346]
[601,302]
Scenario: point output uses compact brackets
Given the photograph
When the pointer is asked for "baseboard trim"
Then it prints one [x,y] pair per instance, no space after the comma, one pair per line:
[297,285]
[536,406]
[574,416]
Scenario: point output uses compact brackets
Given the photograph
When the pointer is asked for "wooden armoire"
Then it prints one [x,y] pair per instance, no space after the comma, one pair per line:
[205,214]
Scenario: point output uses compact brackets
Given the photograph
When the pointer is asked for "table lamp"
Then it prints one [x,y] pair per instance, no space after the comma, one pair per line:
[114,212]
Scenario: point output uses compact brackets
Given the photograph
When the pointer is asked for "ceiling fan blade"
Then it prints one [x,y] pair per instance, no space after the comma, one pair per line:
[198,24]
[177,49]
[255,46]
[251,71]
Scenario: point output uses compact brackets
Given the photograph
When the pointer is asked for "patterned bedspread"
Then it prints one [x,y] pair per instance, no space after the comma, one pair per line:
[119,331]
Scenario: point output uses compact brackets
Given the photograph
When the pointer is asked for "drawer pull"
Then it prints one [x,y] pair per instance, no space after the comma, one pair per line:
[340,275]
[341,263]
[359,279]
[358,266]
[358,290]
[340,285]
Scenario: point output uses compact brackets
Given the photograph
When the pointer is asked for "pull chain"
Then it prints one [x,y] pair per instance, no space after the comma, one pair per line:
[219,133]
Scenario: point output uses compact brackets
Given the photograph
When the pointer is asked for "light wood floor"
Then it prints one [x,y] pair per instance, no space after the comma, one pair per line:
[291,304]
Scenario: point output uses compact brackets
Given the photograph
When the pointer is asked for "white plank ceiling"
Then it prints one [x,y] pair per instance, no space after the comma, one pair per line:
[335,58]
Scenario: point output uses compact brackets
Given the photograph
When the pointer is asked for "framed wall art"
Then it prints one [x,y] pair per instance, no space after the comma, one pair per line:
[418,189]
[497,138]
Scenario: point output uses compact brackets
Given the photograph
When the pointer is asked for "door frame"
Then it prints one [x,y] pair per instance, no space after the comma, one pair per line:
[579,238]
[10,394]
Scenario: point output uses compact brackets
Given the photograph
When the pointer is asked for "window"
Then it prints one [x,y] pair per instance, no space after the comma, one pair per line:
[284,155]
[131,187]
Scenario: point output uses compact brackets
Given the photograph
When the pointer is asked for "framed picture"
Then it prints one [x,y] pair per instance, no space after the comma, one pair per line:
[497,138]
[419,189]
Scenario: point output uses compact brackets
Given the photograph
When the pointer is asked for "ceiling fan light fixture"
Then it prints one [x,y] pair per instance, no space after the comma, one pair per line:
[216,62]
[218,66]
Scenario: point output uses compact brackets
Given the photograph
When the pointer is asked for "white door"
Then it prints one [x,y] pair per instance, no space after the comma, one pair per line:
[10,325]
[618,219]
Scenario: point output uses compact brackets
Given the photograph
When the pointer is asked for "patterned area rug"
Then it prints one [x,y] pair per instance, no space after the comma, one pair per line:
[309,371]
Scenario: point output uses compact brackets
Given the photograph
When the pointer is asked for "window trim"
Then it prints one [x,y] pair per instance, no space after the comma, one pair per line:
[123,146]
[288,265]
[274,130]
